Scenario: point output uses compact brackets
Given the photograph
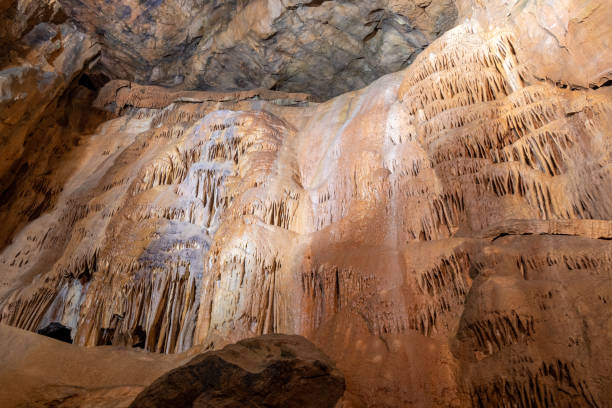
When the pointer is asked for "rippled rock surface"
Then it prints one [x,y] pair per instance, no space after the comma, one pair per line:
[321,47]
[443,234]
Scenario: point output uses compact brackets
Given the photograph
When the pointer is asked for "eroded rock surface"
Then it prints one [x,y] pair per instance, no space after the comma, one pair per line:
[443,234]
[39,372]
[321,47]
[44,108]
[268,371]
[278,370]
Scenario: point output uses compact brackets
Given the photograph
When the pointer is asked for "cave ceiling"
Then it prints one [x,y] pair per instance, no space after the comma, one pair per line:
[321,47]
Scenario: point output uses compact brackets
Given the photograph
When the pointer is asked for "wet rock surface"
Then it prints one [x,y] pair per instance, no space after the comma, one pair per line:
[268,371]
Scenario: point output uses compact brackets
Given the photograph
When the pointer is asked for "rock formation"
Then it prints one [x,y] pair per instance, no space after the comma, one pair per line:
[319,46]
[268,371]
[443,234]
[277,370]
[43,106]
[39,372]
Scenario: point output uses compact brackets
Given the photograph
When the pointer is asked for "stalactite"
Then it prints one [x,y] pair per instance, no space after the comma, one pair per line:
[453,206]
[551,385]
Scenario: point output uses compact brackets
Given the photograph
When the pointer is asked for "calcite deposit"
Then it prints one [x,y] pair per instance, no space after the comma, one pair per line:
[443,234]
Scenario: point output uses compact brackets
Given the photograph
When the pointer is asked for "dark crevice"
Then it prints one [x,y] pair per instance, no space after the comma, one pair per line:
[313,3]
[93,81]
[105,336]
[603,85]
[372,34]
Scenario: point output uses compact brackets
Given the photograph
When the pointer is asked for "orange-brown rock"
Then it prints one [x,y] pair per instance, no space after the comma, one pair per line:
[43,106]
[39,372]
[442,234]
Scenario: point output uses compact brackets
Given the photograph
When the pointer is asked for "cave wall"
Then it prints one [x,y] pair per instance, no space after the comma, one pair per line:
[443,234]
[44,107]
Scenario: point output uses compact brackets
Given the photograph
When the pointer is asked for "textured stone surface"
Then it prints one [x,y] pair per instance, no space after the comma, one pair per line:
[41,105]
[39,372]
[564,41]
[443,234]
[41,58]
[321,47]
[268,371]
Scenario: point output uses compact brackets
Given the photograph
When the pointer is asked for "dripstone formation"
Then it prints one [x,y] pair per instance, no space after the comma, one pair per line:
[174,182]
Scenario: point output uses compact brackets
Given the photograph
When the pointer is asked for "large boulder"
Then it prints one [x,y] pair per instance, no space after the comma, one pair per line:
[271,371]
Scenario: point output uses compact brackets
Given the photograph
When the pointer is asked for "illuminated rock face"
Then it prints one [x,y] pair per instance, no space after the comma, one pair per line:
[37,371]
[443,234]
[43,108]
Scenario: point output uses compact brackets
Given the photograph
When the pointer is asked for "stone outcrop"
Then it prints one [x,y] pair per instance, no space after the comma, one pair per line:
[442,234]
[285,371]
[321,47]
[39,372]
[561,41]
[43,106]
[268,371]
